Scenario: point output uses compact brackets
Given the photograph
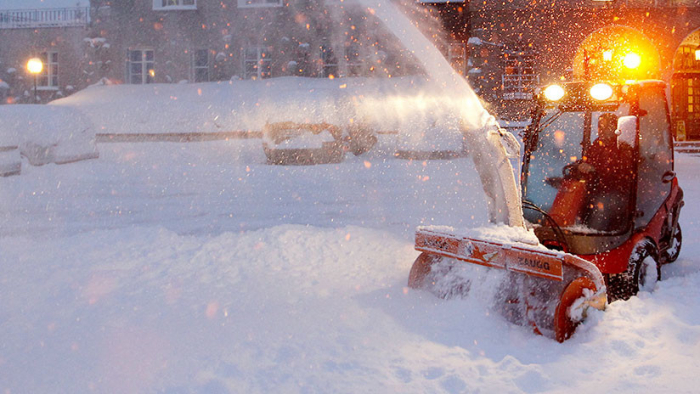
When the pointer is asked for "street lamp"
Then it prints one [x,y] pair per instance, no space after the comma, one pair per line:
[35,66]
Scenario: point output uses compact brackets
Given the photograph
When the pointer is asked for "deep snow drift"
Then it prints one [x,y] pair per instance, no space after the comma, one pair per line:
[196,268]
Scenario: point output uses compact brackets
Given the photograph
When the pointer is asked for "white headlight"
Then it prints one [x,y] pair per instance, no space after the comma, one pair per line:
[554,92]
[601,91]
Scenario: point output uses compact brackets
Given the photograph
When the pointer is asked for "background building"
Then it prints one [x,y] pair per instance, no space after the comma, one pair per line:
[170,41]
[506,49]
[56,35]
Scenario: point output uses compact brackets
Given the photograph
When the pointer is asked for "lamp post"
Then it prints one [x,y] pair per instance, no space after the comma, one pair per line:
[35,66]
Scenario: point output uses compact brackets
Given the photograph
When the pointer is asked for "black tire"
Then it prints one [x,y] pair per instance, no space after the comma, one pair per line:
[641,274]
[670,254]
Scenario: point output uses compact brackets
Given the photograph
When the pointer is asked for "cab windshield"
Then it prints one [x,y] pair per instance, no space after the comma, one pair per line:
[559,180]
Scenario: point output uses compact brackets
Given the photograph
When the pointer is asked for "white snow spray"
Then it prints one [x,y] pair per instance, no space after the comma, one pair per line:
[456,91]
[489,146]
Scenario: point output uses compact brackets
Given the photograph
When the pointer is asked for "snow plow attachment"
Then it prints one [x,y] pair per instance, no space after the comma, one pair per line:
[547,290]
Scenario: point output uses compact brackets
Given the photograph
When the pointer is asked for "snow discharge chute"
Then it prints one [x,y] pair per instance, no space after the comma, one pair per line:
[487,142]
[546,290]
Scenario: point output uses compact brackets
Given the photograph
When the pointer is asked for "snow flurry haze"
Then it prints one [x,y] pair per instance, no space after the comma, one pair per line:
[171,267]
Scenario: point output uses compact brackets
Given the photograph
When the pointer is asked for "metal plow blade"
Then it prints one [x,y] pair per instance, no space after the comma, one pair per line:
[547,290]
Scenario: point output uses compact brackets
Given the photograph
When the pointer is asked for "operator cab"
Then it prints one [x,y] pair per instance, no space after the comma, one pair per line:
[598,163]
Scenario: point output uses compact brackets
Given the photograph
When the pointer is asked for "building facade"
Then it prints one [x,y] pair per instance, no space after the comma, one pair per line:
[172,41]
[57,36]
[507,49]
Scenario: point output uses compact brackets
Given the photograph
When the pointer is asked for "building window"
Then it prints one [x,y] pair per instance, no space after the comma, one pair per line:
[140,66]
[174,4]
[693,97]
[200,65]
[457,56]
[330,62]
[353,60]
[519,80]
[259,3]
[686,58]
[48,80]
[257,62]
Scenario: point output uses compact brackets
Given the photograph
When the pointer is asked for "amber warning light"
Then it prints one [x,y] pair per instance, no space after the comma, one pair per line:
[632,60]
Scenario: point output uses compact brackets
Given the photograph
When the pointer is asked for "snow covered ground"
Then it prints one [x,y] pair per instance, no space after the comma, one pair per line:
[197,268]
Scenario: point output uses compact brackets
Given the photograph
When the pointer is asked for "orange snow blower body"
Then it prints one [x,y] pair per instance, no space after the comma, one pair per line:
[602,236]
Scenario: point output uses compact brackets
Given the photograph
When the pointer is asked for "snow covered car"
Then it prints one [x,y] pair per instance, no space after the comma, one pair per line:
[313,143]
[46,134]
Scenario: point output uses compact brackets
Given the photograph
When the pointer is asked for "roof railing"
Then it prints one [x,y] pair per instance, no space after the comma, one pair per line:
[44,18]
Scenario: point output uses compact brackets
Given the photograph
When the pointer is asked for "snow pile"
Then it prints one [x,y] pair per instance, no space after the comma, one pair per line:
[48,134]
[410,105]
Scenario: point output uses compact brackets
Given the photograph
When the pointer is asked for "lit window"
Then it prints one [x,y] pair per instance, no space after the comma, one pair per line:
[48,80]
[140,66]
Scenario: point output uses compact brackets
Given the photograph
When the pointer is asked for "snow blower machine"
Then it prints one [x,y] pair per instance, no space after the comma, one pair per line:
[599,193]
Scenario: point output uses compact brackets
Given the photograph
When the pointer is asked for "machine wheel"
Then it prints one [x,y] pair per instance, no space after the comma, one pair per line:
[421,269]
[674,248]
[643,271]
[564,324]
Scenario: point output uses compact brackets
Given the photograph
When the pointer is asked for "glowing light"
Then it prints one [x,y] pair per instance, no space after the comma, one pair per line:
[212,309]
[607,56]
[152,72]
[35,66]
[601,91]
[697,54]
[554,92]
[632,60]
[559,137]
